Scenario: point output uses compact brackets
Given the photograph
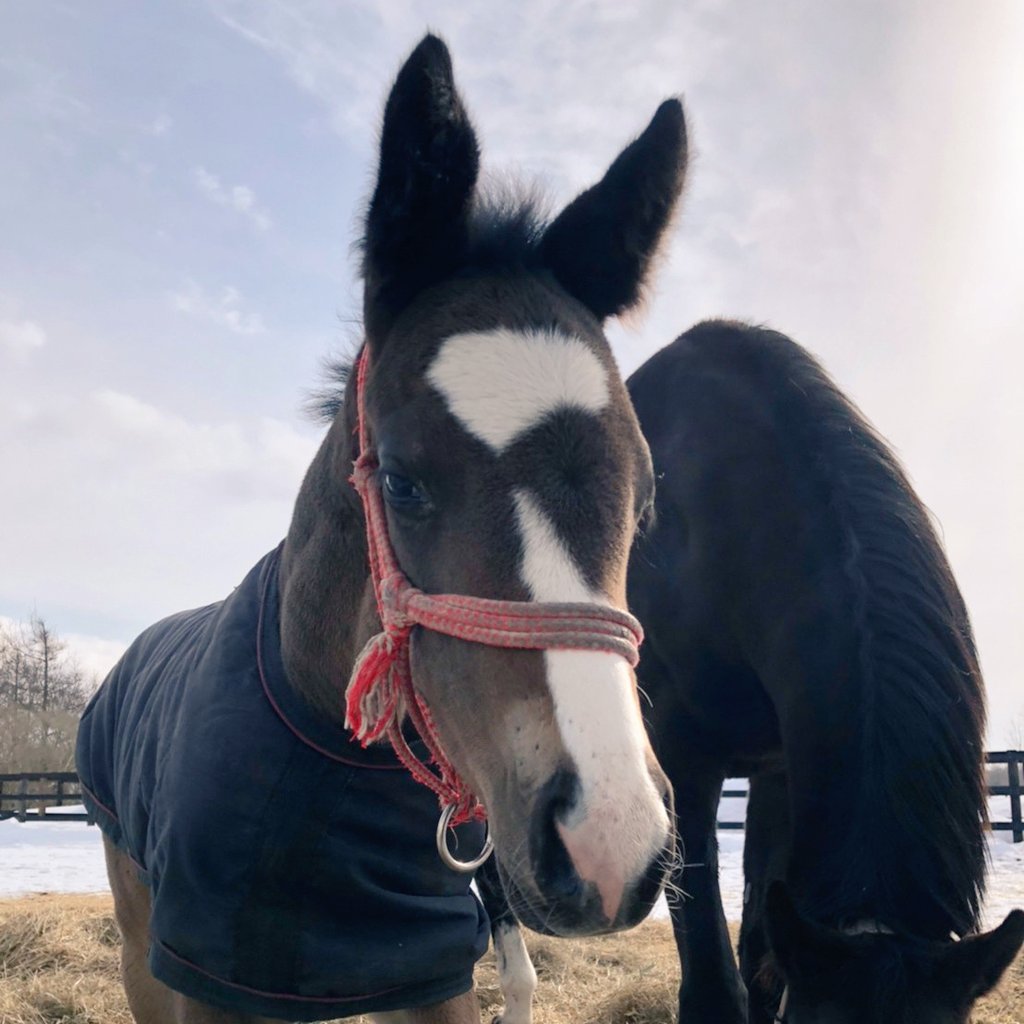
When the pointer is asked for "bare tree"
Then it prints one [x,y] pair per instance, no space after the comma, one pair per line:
[36,670]
[42,693]
[1014,731]
[47,648]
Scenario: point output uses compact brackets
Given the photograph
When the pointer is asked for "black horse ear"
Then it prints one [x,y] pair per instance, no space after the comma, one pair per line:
[429,161]
[973,966]
[600,247]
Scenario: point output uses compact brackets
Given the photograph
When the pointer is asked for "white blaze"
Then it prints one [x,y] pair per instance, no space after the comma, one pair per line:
[597,717]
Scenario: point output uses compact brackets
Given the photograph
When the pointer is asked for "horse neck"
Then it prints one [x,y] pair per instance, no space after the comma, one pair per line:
[327,609]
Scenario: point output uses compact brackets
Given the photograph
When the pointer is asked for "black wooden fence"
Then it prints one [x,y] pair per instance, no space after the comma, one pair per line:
[1014,761]
[31,796]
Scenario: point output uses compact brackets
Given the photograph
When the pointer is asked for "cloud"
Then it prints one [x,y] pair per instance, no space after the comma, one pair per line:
[94,655]
[328,53]
[239,198]
[240,460]
[21,339]
[137,509]
[345,55]
[36,92]
[224,311]
[159,126]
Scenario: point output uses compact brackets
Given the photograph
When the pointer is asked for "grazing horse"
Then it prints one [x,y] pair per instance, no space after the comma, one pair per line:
[803,628]
[469,576]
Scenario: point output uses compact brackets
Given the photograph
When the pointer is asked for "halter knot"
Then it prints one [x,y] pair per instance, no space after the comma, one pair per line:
[380,692]
[394,604]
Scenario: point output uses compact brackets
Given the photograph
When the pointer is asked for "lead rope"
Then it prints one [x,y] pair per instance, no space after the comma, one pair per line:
[380,691]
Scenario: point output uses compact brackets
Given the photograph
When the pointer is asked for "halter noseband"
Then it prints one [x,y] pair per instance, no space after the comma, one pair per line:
[381,693]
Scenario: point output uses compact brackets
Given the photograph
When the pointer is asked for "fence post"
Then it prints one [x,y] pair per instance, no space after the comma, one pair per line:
[1013,778]
[60,792]
[22,792]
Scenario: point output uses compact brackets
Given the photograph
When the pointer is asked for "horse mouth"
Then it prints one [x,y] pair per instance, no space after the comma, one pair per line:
[576,908]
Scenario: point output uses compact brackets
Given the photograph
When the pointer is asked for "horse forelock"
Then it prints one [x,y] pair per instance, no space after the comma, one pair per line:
[503,235]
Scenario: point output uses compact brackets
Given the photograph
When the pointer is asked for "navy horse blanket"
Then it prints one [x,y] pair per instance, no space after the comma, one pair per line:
[293,874]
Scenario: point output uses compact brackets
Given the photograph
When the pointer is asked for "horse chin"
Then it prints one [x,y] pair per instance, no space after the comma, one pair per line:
[576,909]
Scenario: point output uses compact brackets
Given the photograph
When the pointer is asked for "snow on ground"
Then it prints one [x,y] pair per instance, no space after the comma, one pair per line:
[1005,879]
[50,856]
[53,856]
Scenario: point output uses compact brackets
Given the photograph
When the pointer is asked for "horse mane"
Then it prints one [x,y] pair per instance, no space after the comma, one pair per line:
[324,402]
[913,853]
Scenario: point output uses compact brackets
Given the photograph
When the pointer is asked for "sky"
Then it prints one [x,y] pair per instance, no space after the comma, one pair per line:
[181,186]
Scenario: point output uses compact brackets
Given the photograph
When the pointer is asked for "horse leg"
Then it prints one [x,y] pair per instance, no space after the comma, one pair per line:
[149,1001]
[462,1009]
[189,1011]
[516,976]
[765,849]
[711,991]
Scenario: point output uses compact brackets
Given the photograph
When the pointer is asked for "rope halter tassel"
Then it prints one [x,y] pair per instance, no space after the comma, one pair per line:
[380,692]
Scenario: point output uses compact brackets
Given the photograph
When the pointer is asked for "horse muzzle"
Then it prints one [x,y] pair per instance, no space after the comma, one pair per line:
[593,869]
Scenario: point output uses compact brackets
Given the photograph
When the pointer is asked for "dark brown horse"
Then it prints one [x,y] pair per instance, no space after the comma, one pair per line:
[804,629]
[288,873]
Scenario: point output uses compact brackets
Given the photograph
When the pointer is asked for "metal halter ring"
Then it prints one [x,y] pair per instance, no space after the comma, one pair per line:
[466,866]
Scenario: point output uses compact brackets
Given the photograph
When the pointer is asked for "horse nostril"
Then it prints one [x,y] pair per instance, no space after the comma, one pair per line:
[552,866]
[559,795]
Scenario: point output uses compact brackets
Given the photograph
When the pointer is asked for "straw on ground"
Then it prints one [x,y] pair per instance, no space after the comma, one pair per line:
[58,965]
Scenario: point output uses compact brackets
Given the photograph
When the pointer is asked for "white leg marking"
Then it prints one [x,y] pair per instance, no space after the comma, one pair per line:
[516,975]
[499,383]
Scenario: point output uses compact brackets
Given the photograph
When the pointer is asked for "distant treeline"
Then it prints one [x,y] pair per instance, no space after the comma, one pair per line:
[42,693]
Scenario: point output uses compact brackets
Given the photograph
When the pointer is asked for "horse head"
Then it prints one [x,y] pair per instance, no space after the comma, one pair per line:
[512,468]
[868,975]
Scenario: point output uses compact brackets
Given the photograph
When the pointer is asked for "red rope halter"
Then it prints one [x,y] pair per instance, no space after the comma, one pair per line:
[380,691]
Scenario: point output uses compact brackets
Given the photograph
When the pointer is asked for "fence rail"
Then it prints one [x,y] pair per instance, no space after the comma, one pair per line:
[65,788]
[1014,761]
[48,790]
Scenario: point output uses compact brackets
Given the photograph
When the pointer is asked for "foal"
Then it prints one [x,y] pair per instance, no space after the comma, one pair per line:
[265,865]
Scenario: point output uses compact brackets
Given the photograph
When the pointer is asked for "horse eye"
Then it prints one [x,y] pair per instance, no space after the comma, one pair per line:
[400,492]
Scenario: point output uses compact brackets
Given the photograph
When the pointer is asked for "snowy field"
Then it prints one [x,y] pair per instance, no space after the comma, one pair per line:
[51,856]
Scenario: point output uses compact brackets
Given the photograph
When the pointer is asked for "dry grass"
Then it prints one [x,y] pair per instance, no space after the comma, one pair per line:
[58,965]
[58,962]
